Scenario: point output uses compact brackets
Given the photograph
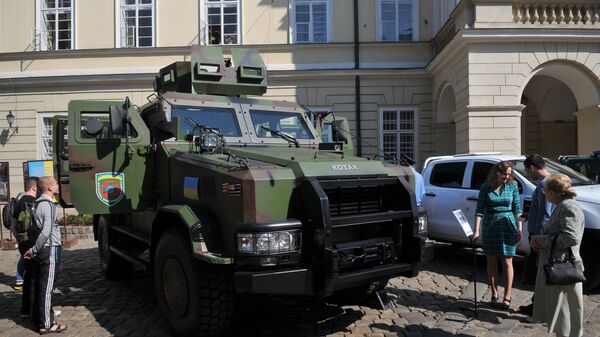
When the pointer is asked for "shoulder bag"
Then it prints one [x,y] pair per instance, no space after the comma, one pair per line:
[563,273]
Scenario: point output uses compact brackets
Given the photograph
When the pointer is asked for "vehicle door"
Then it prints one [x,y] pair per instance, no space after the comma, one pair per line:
[476,176]
[60,157]
[479,170]
[444,188]
[108,173]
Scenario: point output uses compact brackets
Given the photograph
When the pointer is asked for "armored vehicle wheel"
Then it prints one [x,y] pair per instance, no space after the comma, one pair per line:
[196,298]
[113,266]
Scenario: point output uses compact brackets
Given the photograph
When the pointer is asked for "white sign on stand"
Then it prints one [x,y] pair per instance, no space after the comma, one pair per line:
[464,223]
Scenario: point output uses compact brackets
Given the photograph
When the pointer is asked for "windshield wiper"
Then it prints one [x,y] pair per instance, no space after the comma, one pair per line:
[285,136]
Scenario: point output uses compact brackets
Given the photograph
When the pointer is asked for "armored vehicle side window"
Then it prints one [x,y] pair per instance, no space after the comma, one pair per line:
[448,174]
[96,117]
[215,118]
[291,123]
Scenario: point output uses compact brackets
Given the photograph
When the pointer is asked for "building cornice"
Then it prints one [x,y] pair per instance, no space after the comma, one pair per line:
[184,51]
[466,37]
[144,77]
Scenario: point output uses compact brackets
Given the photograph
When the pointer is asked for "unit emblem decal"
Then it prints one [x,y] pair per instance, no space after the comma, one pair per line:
[110,188]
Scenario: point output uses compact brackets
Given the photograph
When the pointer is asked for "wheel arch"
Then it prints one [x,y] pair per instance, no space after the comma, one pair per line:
[184,218]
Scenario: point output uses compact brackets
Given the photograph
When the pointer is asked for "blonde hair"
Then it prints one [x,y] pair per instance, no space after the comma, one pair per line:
[561,185]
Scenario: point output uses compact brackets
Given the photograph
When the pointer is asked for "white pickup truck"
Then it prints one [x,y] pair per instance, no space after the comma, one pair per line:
[453,182]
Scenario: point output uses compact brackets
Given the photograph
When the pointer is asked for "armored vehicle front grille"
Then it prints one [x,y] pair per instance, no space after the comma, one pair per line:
[354,200]
[352,196]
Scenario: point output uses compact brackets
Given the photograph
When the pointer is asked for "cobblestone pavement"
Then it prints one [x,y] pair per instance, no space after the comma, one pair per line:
[428,305]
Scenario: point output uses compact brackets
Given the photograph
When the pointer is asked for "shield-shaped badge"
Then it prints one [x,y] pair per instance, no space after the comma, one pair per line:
[110,187]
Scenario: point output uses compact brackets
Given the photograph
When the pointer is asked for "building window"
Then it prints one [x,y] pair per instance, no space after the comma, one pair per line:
[222,21]
[398,133]
[46,134]
[136,24]
[311,21]
[398,20]
[55,25]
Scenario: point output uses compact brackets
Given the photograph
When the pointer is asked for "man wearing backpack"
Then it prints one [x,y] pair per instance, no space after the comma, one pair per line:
[45,252]
[25,266]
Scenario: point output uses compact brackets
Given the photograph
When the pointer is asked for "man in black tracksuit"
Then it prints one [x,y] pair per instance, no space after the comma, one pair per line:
[45,252]
[25,200]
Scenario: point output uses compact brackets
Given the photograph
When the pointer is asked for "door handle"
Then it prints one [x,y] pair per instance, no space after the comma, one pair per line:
[80,167]
[472,198]
[430,194]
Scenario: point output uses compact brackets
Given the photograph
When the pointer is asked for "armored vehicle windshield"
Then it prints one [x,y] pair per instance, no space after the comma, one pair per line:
[222,119]
[290,123]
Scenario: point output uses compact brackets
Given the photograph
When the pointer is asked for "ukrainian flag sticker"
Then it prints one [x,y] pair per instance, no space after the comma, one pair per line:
[190,188]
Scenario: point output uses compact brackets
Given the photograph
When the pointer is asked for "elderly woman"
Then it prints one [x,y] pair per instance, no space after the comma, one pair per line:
[498,209]
[559,306]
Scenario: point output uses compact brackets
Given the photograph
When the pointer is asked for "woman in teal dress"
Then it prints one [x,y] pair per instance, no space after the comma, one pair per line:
[497,214]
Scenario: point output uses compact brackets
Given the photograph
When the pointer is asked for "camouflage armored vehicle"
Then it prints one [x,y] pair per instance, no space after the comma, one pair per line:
[219,194]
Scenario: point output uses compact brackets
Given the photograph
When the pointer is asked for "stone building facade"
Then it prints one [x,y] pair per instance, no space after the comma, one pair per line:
[414,77]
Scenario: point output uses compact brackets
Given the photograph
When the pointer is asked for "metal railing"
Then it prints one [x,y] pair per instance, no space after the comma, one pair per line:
[578,13]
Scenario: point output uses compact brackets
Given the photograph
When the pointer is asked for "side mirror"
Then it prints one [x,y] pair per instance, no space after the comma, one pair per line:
[116,120]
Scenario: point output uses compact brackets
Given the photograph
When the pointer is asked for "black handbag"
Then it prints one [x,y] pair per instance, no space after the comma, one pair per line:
[563,273]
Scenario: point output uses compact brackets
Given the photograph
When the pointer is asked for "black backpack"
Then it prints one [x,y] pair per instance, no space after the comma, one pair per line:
[7,214]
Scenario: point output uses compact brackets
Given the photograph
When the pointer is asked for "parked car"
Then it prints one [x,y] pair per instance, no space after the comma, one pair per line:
[453,182]
[589,166]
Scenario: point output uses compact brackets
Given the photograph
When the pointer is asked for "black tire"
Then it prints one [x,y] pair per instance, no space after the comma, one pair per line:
[196,298]
[589,254]
[113,266]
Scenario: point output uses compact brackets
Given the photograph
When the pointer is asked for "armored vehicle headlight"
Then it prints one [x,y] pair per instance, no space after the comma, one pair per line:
[269,242]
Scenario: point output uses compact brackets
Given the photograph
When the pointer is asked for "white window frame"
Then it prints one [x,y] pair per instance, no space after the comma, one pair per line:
[41,117]
[292,19]
[415,18]
[119,22]
[398,132]
[41,29]
[204,4]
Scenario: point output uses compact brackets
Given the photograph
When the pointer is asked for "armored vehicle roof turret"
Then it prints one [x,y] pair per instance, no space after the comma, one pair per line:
[209,72]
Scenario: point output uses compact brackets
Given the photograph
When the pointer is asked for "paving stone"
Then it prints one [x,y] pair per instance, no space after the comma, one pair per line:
[428,305]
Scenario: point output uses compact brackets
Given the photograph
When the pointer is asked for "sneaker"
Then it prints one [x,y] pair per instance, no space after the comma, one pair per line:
[527,309]
[18,286]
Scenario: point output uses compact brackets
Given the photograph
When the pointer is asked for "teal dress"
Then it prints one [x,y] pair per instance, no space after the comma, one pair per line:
[499,210]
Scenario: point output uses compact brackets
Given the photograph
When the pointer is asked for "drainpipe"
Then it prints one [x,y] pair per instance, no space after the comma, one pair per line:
[357,81]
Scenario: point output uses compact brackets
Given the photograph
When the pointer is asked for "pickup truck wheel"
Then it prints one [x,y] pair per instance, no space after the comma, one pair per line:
[113,266]
[589,254]
[196,298]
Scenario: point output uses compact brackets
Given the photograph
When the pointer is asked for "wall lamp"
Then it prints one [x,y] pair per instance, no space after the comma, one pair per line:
[10,118]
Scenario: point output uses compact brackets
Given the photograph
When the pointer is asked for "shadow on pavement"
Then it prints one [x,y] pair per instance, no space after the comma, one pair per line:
[94,306]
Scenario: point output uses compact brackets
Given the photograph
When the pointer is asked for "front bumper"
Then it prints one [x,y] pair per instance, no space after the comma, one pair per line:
[355,231]
[299,281]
